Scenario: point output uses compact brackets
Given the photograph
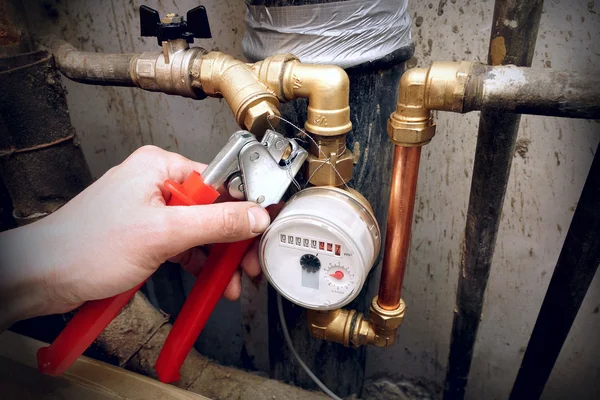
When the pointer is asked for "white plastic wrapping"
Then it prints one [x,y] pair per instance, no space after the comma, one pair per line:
[346,33]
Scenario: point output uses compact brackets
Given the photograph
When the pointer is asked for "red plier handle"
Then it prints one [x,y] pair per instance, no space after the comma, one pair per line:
[94,316]
[210,284]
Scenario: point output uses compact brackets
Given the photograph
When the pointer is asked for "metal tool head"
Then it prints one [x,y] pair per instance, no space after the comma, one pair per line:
[256,171]
[226,163]
[268,168]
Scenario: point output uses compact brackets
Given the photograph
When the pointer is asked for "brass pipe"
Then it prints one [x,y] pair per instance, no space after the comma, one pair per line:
[405,170]
[353,329]
[442,86]
[252,91]
[327,89]
[252,103]
[446,86]
[409,127]
[347,327]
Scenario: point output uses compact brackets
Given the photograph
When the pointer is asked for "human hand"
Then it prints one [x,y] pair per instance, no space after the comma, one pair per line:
[116,233]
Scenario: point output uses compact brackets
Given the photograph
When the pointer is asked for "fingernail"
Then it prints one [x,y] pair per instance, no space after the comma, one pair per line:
[259,219]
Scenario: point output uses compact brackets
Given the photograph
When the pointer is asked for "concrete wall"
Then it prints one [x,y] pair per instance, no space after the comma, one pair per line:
[547,176]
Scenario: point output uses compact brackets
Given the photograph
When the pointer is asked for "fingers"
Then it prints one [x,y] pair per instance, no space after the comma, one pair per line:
[234,288]
[161,164]
[191,260]
[250,263]
[216,223]
[176,166]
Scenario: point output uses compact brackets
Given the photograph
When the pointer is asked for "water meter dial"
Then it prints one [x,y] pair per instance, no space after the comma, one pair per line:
[310,263]
[319,250]
[340,277]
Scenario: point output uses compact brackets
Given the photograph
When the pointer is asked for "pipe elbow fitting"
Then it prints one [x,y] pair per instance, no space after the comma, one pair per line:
[333,78]
[352,329]
[412,123]
[411,96]
[442,87]
[327,88]
[346,327]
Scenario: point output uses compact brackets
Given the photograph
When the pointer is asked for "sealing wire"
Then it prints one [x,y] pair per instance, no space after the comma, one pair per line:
[290,346]
[286,333]
[327,160]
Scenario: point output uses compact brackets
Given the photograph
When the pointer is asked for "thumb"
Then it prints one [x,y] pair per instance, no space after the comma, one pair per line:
[217,223]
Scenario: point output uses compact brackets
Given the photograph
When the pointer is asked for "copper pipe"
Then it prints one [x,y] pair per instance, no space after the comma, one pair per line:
[400,217]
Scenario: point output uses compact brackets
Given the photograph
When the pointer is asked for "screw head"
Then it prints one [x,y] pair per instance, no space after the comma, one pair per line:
[172,18]
[254,156]
[260,199]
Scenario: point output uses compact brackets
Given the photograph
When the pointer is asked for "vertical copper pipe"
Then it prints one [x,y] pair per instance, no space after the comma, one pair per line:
[400,217]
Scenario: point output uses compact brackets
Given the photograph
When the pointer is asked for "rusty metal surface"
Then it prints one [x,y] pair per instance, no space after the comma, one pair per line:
[91,67]
[493,159]
[558,93]
[40,159]
[14,38]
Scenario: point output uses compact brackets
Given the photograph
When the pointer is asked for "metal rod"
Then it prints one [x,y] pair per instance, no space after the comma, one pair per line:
[405,171]
[575,269]
[90,67]
[534,91]
[496,139]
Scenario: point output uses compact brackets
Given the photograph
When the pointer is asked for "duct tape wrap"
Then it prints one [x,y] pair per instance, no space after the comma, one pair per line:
[344,33]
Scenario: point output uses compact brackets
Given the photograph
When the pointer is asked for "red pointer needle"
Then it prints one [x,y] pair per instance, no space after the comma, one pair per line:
[337,275]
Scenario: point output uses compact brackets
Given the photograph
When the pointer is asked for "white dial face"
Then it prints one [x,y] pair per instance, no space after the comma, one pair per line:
[339,277]
[311,265]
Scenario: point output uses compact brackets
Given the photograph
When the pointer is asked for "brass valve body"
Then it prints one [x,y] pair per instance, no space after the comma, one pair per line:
[330,162]
[352,329]
[347,327]
[254,91]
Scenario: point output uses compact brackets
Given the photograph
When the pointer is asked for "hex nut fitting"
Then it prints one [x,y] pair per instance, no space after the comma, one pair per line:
[259,117]
[410,134]
[386,320]
[323,173]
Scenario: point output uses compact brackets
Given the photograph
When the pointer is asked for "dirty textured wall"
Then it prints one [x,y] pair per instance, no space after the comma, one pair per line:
[548,173]
[549,170]
[112,122]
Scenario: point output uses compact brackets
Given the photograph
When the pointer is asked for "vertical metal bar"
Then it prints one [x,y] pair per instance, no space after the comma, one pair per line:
[512,43]
[575,269]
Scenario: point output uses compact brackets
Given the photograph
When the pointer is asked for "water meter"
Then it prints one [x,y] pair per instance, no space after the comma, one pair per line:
[318,251]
